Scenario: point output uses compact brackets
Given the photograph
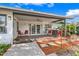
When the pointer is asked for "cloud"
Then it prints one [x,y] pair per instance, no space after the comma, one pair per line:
[40,4]
[16,5]
[36,4]
[50,4]
[31,9]
[72,12]
[26,5]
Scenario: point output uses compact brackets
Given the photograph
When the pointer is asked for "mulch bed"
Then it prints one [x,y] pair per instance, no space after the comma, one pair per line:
[49,49]
[54,48]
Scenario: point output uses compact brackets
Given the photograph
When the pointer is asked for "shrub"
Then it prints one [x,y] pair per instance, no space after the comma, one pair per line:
[76,53]
[3,48]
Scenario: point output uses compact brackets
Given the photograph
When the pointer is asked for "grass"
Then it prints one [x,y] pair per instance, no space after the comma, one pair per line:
[4,48]
[76,53]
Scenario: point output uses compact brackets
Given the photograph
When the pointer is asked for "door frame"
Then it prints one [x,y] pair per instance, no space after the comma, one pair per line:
[35,29]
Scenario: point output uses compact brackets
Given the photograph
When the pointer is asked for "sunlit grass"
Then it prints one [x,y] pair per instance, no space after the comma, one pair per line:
[4,48]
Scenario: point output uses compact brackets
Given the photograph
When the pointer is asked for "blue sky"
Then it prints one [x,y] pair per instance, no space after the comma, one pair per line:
[55,8]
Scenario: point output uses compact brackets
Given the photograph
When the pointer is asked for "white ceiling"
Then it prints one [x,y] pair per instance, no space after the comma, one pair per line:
[33,18]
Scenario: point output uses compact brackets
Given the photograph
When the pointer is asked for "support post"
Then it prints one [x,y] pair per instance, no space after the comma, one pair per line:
[64,27]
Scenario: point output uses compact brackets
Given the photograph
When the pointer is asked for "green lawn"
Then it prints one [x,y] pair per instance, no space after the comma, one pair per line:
[4,48]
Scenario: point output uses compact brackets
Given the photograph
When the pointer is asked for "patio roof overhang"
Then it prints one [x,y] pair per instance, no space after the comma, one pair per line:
[34,18]
[37,15]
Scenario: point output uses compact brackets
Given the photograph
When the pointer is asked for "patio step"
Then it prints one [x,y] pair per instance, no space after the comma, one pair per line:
[18,42]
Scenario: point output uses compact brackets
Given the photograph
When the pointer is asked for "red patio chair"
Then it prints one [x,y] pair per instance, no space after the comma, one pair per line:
[59,33]
[26,32]
[50,32]
[19,32]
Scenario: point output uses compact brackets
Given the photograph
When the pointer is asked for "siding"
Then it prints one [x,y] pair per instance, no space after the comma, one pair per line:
[7,37]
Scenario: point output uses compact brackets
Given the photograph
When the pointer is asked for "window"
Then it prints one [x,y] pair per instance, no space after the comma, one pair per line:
[38,29]
[2,23]
[33,29]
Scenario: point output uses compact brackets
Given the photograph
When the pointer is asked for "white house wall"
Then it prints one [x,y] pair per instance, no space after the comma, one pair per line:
[7,37]
[24,25]
[14,29]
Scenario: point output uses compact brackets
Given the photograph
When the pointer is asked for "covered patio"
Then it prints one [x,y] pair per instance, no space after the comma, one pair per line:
[38,28]
[34,25]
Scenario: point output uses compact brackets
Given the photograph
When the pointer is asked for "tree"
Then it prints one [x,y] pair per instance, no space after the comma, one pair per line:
[70,29]
[77,29]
